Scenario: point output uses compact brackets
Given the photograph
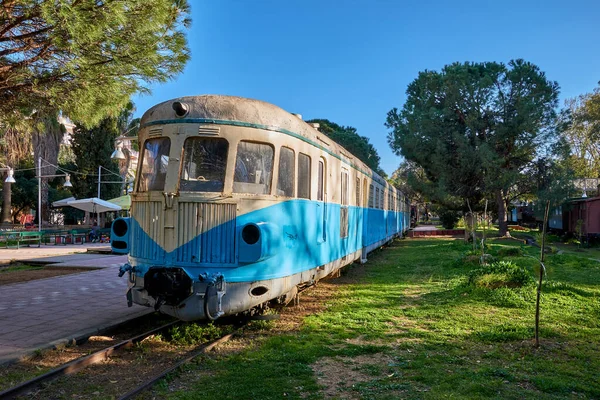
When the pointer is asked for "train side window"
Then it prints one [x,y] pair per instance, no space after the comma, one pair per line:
[344,188]
[204,165]
[371,196]
[287,163]
[376,197]
[303,176]
[253,168]
[344,206]
[358,192]
[155,159]
[321,180]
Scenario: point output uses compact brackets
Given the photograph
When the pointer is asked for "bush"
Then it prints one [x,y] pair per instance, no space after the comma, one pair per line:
[448,218]
[510,252]
[500,274]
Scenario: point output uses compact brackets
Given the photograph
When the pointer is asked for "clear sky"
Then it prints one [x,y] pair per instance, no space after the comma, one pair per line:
[351,61]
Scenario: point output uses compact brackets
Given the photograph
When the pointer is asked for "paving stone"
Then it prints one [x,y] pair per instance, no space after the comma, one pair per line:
[39,313]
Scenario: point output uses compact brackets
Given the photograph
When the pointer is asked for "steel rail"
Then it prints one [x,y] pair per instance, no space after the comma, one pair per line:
[79,364]
[204,348]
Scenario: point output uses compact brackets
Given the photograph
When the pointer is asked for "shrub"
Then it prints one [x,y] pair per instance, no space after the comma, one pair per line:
[448,218]
[510,252]
[500,274]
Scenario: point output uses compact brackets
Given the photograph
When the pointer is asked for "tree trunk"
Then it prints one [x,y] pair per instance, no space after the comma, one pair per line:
[46,143]
[6,203]
[502,222]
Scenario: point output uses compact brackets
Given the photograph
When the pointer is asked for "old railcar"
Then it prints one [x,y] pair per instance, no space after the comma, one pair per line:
[239,203]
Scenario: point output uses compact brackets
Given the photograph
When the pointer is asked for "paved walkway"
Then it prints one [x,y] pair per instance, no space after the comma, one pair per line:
[24,253]
[421,228]
[47,312]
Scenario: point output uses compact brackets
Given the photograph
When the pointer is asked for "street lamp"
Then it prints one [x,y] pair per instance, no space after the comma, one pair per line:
[118,153]
[39,176]
[10,178]
[119,143]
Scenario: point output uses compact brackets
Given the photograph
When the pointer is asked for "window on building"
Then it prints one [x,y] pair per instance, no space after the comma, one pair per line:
[253,168]
[287,162]
[204,165]
[155,160]
[303,176]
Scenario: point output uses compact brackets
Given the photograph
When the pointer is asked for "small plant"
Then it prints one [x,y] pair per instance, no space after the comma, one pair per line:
[500,274]
[193,333]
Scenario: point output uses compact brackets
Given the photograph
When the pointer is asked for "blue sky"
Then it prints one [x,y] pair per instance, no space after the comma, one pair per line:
[351,61]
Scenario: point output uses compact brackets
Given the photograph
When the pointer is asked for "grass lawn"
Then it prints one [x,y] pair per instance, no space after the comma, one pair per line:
[412,324]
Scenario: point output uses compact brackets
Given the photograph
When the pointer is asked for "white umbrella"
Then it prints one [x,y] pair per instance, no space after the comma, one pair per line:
[63,202]
[94,205]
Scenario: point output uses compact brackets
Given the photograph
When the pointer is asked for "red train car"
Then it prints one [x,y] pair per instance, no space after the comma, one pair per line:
[583,216]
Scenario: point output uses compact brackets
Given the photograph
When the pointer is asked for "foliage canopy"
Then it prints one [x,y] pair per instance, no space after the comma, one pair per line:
[475,128]
[583,133]
[348,137]
[86,57]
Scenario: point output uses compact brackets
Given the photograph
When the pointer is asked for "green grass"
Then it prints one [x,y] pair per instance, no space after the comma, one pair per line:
[16,268]
[195,333]
[414,326]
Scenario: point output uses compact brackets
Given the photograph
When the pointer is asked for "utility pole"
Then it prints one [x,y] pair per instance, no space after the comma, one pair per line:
[39,194]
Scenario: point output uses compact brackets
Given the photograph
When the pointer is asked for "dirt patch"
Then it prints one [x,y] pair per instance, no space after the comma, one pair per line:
[339,375]
[9,276]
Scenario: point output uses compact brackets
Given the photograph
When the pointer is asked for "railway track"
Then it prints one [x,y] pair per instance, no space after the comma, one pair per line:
[32,387]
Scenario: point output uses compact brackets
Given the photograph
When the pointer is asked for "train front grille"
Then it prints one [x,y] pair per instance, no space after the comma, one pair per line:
[146,244]
[206,233]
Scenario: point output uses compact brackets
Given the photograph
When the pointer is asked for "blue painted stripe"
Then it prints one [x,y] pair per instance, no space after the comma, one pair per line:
[295,243]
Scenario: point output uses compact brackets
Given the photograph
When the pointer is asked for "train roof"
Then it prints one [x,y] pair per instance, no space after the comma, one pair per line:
[260,114]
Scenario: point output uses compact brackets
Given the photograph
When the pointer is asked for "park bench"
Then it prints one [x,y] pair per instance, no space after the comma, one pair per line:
[57,237]
[29,237]
[8,237]
[17,238]
[79,234]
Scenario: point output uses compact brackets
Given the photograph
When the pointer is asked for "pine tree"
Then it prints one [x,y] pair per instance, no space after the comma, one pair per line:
[92,148]
[85,57]
[476,127]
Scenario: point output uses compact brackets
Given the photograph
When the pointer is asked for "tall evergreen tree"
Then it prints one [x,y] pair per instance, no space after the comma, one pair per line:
[476,127]
[93,148]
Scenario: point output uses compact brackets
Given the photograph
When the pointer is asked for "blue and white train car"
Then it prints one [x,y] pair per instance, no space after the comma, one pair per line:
[239,202]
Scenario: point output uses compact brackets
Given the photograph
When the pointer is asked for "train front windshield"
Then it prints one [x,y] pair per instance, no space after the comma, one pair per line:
[204,165]
[155,160]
